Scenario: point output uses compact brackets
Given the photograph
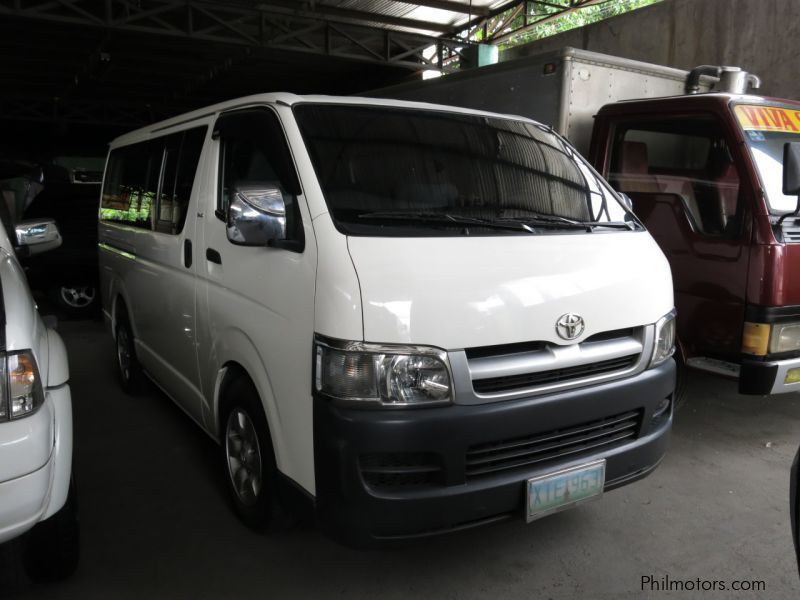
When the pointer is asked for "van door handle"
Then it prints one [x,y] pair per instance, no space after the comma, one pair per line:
[213,256]
[187,254]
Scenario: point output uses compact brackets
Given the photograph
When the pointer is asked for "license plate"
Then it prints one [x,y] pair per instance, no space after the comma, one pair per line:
[553,492]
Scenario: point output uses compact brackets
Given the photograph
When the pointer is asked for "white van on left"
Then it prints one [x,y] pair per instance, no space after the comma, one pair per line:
[37,493]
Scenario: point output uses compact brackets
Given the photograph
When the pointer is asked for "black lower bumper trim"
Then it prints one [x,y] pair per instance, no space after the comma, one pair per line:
[757,378]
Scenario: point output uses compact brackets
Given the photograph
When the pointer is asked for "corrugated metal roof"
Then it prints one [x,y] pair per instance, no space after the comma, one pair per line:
[432,12]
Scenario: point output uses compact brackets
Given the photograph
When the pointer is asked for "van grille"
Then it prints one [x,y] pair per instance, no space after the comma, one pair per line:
[514,382]
[400,470]
[570,443]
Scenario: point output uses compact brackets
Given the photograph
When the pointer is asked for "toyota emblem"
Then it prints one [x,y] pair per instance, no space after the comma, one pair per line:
[569,326]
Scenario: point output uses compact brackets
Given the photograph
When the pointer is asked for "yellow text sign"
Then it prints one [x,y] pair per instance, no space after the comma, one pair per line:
[768,118]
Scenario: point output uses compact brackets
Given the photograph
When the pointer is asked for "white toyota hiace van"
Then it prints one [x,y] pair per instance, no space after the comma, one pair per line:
[419,317]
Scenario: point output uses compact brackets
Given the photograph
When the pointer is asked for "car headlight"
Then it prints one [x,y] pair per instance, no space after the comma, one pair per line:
[21,391]
[382,375]
[664,339]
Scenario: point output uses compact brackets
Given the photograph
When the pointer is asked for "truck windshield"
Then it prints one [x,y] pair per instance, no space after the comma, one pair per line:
[397,171]
[767,129]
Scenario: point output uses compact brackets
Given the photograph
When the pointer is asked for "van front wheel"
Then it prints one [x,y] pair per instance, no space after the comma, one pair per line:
[249,460]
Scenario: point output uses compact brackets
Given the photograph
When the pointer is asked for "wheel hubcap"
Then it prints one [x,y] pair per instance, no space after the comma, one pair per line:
[244,457]
[78,296]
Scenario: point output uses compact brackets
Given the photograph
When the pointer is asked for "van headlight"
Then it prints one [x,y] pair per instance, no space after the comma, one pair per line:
[664,339]
[382,375]
[21,391]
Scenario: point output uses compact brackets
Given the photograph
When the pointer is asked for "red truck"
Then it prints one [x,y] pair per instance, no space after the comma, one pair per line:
[703,162]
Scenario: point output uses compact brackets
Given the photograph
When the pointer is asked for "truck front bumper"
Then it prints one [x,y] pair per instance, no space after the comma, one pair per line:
[391,474]
[767,377]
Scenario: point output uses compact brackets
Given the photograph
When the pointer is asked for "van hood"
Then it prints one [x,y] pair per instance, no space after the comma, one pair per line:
[466,292]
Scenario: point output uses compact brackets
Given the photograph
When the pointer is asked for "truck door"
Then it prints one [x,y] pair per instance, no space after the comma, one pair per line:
[684,181]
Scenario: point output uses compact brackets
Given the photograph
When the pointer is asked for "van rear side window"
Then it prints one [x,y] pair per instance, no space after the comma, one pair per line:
[149,184]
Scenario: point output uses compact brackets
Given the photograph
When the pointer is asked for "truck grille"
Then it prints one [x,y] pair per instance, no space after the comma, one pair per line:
[791,234]
[400,470]
[569,443]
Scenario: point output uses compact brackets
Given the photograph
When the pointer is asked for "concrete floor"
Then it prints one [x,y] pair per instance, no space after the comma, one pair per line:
[156,523]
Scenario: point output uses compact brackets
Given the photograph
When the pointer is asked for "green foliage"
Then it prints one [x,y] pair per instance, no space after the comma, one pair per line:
[570,19]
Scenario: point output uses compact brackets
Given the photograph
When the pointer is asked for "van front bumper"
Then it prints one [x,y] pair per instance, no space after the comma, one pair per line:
[431,491]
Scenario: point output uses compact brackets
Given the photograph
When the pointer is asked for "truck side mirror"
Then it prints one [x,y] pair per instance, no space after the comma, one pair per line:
[256,215]
[37,235]
[791,169]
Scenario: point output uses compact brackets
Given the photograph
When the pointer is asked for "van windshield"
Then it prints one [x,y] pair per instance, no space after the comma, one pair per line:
[397,171]
[767,129]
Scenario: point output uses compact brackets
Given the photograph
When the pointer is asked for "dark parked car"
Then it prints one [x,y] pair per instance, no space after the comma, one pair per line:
[795,507]
[68,274]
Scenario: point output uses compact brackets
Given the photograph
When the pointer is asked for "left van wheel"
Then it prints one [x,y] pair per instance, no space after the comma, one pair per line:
[51,549]
[250,466]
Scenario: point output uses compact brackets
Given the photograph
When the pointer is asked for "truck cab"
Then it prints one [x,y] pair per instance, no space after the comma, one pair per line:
[704,173]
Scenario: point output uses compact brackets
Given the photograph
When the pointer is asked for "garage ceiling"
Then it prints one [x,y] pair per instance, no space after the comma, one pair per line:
[123,63]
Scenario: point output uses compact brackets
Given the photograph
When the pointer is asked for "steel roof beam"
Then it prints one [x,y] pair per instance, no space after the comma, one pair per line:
[276,27]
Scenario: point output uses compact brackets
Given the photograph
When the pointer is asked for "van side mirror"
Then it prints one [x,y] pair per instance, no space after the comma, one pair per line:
[626,201]
[37,235]
[256,215]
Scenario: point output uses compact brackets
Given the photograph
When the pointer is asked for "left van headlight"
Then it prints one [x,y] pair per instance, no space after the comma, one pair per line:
[21,392]
[664,339]
[382,375]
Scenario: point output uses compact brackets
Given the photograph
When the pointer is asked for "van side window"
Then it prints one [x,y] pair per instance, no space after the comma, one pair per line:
[254,150]
[131,182]
[181,157]
[149,184]
[688,159]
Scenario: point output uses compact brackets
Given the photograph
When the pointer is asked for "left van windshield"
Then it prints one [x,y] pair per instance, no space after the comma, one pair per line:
[397,171]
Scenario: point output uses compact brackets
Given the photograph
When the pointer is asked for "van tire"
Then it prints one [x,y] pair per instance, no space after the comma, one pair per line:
[251,472]
[130,371]
[51,550]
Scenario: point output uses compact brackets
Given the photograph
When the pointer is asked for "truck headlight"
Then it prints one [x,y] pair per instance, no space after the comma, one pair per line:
[21,391]
[664,339]
[382,375]
[784,337]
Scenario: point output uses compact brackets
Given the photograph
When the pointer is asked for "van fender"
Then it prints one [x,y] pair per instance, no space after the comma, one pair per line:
[235,349]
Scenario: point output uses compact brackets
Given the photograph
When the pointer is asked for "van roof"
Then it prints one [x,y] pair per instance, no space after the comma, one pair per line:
[288,99]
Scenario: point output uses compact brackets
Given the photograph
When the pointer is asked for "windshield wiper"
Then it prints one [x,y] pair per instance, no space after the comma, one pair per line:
[565,222]
[448,219]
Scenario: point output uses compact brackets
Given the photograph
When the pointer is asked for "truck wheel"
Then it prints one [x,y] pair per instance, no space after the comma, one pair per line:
[250,467]
[130,371]
[50,550]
